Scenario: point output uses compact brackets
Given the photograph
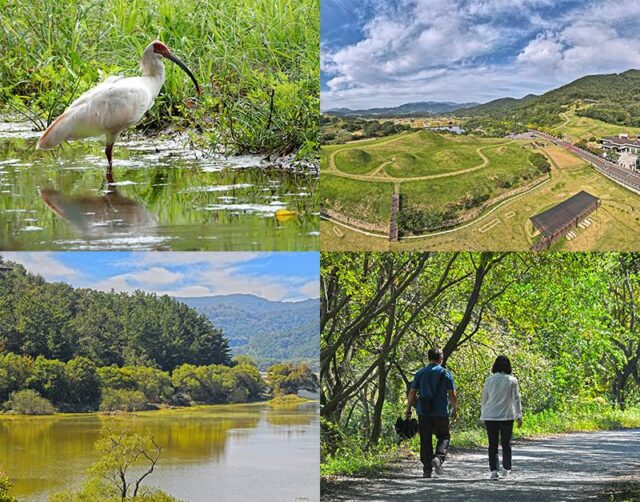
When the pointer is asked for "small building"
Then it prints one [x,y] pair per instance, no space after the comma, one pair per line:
[561,218]
[628,160]
[622,143]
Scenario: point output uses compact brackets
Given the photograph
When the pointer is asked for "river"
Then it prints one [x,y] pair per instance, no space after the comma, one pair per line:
[224,452]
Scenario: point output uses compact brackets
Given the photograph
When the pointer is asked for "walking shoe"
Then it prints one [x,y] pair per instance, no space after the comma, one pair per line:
[505,473]
[437,465]
[494,476]
[426,474]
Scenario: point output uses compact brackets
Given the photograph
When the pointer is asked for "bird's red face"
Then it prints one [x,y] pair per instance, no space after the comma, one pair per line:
[160,48]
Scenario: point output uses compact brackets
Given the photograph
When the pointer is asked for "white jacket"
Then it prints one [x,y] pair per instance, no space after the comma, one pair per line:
[501,398]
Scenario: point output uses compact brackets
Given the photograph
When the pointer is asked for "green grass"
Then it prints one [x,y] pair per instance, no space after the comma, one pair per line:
[426,153]
[590,416]
[287,401]
[257,62]
[357,160]
[418,154]
[355,462]
[627,491]
[436,194]
[369,202]
[587,418]
[585,128]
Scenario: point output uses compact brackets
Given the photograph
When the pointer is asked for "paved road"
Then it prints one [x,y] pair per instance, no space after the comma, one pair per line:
[619,174]
[568,467]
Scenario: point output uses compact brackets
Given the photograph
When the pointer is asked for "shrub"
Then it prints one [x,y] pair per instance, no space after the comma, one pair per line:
[288,378]
[415,221]
[542,163]
[5,486]
[29,402]
[123,400]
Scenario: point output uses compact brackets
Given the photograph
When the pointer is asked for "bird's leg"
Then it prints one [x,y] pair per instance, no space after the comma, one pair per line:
[108,149]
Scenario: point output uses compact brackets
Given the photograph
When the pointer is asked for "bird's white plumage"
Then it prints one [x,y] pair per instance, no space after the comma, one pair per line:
[109,108]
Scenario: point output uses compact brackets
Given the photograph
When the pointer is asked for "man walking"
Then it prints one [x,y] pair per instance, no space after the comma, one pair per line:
[430,388]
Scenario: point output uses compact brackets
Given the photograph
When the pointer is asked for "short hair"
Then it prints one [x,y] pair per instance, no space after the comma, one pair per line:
[502,365]
[434,354]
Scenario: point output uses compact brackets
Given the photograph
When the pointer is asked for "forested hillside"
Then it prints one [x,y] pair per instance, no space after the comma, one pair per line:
[268,331]
[566,320]
[70,349]
[614,98]
[56,321]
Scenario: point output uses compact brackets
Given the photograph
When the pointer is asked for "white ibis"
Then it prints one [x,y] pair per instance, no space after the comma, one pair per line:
[114,105]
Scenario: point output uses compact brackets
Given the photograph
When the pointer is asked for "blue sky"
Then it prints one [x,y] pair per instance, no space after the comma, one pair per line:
[275,276]
[385,53]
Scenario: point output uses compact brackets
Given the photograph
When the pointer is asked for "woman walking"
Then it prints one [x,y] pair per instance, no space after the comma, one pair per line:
[500,407]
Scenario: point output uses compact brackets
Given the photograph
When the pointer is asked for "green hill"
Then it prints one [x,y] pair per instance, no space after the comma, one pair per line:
[57,321]
[613,98]
[268,331]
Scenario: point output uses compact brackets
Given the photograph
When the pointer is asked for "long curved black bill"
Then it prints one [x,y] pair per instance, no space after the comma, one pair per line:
[177,61]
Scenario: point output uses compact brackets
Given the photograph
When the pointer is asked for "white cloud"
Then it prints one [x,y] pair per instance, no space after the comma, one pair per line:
[178,274]
[43,264]
[464,50]
[310,289]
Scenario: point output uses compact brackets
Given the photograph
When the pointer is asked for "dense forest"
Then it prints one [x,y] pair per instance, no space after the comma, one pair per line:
[613,98]
[72,349]
[567,321]
[56,321]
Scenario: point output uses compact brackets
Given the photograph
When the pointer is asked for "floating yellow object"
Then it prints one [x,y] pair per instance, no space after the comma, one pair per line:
[283,215]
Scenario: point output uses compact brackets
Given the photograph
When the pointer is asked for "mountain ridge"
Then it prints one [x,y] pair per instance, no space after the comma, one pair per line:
[412,108]
[612,97]
[267,330]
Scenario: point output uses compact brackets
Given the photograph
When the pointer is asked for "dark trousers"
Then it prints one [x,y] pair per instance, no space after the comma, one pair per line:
[428,427]
[504,429]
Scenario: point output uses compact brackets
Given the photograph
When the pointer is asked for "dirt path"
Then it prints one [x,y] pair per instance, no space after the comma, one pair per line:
[568,467]
[566,122]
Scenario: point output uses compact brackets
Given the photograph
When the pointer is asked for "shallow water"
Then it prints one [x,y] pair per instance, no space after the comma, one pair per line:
[163,196]
[227,452]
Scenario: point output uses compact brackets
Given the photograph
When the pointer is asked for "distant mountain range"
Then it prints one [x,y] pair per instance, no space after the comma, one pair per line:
[613,98]
[269,331]
[408,109]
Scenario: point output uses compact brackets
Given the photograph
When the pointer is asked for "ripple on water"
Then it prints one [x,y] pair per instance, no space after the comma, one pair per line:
[124,241]
[217,188]
[245,208]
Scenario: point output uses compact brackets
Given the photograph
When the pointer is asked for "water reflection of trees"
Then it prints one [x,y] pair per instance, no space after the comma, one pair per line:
[45,453]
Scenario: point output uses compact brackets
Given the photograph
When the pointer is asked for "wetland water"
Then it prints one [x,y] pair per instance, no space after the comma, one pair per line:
[225,452]
[163,196]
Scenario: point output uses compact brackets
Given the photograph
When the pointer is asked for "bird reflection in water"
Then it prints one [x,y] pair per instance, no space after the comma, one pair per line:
[107,211]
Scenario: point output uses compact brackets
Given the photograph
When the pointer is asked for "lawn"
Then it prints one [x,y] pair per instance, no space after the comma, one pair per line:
[369,202]
[578,128]
[461,167]
[616,225]
[422,153]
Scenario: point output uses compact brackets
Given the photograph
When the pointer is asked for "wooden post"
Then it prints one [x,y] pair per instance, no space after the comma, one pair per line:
[393,225]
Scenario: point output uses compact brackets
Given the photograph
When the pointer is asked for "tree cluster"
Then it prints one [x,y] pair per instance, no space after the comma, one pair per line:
[59,322]
[40,385]
[567,321]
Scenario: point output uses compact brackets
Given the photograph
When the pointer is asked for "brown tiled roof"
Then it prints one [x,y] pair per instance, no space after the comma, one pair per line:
[555,219]
[622,141]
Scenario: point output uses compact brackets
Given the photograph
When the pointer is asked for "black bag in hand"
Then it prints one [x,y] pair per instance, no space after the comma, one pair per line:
[406,429]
